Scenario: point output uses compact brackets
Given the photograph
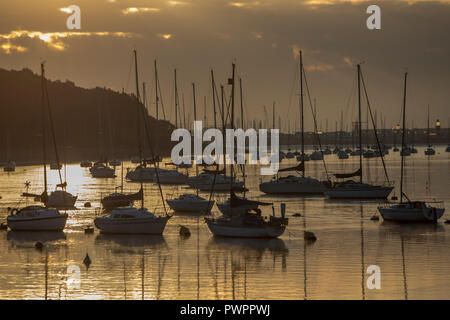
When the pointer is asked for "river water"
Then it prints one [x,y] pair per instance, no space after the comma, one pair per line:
[414,260]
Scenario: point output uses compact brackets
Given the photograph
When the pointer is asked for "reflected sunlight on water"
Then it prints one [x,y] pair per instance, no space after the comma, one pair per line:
[204,267]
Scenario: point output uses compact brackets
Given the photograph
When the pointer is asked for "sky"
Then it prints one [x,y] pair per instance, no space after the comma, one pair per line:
[262,37]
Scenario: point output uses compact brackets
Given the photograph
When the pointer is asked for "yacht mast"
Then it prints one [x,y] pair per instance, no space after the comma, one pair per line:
[231,81]
[43,129]
[301,113]
[403,140]
[138,127]
[156,90]
[359,121]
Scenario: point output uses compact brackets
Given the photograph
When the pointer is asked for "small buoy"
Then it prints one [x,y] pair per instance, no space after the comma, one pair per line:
[89,230]
[87,261]
[309,236]
[38,245]
[375,218]
[447,221]
[296,215]
[87,204]
[184,231]
[3,226]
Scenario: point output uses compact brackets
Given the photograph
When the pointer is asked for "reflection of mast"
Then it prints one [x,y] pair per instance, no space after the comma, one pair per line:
[304,253]
[404,268]
[143,275]
[363,292]
[46,274]
[124,281]
[198,259]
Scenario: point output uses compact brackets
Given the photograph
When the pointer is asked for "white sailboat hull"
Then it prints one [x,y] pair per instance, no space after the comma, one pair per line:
[132,226]
[363,193]
[244,232]
[411,214]
[59,200]
[55,223]
[292,188]
[190,206]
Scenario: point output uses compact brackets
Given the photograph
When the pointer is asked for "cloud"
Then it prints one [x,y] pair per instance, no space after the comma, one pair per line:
[9,48]
[257,35]
[54,39]
[176,3]
[247,4]
[134,10]
[165,36]
[319,67]
[348,62]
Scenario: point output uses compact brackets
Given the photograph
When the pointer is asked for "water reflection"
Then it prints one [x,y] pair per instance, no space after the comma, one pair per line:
[22,237]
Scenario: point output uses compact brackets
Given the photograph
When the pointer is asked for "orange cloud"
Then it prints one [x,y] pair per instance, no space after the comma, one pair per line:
[54,39]
[9,48]
[165,36]
[319,67]
[134,10]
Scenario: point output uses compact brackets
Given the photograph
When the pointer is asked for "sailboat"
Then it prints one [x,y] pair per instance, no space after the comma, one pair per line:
[100,169]
[243,220]
[351,189]
[120,199]
[294,184]
[409,211]
[38,218]
[131,220]
[429,151]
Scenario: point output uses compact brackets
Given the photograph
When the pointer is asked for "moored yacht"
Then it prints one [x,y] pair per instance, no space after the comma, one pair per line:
[141,173]
[409,211]
[36,218]
[61,199]
[190,203]
[247,223]
[130,220]
[350,189]
[171,177]
[85,164]
[101,170]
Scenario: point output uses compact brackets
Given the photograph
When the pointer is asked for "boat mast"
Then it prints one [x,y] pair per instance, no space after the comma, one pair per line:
[138,127]
[428,126]
[195,104]
[43,129]
[301,113]
[403,140]
[359,121]
[213,85]
[232,123]
[242,125]
[176,99]
[156,89]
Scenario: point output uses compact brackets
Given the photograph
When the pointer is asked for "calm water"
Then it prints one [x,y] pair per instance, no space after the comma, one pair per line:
[204,267]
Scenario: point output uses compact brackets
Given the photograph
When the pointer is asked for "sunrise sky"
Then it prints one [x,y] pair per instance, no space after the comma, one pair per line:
[261,37]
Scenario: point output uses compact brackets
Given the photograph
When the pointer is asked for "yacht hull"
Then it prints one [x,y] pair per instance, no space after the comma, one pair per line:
[411,215]
[60,201]
[292,188]
[131,226]
[37,224]
[222,230]
[372,193]
[190,206]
